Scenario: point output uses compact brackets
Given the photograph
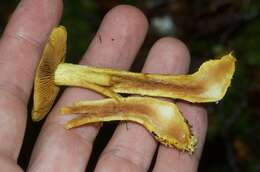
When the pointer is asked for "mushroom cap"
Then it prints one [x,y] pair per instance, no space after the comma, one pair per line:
[45,90]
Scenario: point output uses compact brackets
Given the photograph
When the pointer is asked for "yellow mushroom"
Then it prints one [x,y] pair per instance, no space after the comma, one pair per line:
[208,84]
[161,118]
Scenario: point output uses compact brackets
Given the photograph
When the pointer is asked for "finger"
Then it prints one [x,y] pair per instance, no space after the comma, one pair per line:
[116,43]
[132,148]
[20,48]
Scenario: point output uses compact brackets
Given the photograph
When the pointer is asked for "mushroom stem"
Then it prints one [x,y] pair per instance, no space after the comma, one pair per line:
[78,75]
[208,84]
[161,118]
[68,74]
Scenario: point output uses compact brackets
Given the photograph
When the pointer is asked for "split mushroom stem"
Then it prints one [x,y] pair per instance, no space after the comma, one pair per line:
[161,118]
[77,75]
[208,84]
[68,74]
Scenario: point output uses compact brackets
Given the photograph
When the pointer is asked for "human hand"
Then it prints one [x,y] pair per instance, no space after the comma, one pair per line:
[115,45]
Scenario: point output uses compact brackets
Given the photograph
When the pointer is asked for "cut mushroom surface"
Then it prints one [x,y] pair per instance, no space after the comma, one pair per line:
[208,84]
[161,118]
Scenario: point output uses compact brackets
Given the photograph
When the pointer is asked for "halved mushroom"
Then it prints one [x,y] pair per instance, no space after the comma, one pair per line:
[161,118]
[208,84]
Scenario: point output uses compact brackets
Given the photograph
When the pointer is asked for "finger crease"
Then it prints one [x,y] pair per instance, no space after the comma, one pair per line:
[14,90]
[87,141]
[133,157]
[26,39]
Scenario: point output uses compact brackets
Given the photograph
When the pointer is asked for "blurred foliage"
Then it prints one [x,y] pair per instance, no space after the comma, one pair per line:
[82,20]
[210,29]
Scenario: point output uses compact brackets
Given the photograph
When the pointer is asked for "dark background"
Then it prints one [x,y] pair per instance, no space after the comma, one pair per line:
[210,29]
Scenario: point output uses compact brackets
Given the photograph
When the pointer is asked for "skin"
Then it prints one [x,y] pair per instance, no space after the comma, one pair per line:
[58,149]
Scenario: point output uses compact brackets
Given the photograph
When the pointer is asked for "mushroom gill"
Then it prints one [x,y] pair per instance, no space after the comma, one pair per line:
[45,90]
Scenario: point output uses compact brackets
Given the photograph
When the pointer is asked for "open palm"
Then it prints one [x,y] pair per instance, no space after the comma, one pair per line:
[115,45]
